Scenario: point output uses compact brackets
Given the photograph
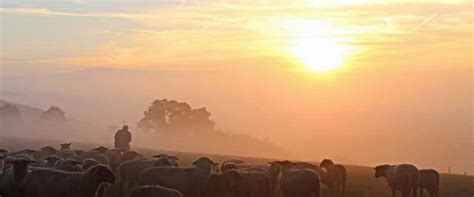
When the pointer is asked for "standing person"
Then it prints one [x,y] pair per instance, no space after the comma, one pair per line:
[123,137]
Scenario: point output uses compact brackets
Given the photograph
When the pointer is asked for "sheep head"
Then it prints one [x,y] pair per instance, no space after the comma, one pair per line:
[66,146]
[20,167]
[381,170]
[283,164]
[162,161]
[326,163]
[102,173]
[51,160]
[205,162]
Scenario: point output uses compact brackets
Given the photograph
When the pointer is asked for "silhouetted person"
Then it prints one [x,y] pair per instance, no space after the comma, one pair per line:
[123,137]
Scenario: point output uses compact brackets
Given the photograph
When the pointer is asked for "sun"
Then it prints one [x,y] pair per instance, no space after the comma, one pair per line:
[314,45]
[319,54]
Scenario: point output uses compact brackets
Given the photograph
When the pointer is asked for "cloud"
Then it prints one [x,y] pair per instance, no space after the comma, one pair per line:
[206,32]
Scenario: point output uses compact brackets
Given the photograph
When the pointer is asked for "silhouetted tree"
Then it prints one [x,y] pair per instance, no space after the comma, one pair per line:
[54,113]
[10,114]
[167,115]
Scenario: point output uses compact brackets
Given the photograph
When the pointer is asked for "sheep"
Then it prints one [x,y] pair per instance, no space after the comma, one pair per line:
[273,171]
[24,151]
[65,153]
[299,182]
[77,158]
[229,166]
[48,150]
[100,157]
[3,151]
[255,182]
[236,161]
[173,159]
[429,180]
[129,155]
[322,173]
[3,155]
[88,163]
[191,181]
[12,180]
[403,177]
[51,182]
[335,176]
[51,160]
[129,171]
[155,191]
[2,164]
[39,155]
[25,156]
[227,184]
[101,149]
[65,146]
[78,151]
[113,190]
[7,162]
[68,165]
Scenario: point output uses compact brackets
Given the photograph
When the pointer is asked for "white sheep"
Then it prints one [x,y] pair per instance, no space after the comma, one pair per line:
[403,177]
[12,178]
[89,163]
[68,165]
[335,176]
[299,182]
[429,180]
[173,159]
[51,182]
[190,181]
[51,161]
[129,171]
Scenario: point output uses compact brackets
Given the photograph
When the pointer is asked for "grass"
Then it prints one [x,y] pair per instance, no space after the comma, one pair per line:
[361,181]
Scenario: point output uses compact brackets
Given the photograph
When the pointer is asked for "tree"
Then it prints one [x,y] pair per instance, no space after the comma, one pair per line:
[171,115]
[10,114]
[54,113]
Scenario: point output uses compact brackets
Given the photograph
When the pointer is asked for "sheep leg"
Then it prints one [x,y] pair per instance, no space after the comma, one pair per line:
[343,188]
[393,192]
[406,192]
[414,190]
[431,193]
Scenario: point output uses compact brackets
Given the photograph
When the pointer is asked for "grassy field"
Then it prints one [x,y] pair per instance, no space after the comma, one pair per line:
[361,182]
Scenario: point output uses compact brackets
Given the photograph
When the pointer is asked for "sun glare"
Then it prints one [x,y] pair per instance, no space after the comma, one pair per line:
[318,54]
[314,45]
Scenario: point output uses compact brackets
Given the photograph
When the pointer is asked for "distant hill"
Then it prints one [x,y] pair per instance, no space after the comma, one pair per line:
[28,113]
[33,127]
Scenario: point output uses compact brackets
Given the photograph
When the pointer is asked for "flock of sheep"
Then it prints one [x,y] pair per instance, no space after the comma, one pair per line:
[103,172]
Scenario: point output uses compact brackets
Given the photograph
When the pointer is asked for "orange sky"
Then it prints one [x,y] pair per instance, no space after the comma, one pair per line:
[302,73]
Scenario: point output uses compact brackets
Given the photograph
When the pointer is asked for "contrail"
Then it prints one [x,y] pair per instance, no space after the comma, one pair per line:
[425,21]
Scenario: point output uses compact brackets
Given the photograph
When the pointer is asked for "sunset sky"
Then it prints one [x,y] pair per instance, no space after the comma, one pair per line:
[302,73]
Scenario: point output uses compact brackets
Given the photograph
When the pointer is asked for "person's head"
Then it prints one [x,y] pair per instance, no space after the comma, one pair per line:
[125,127]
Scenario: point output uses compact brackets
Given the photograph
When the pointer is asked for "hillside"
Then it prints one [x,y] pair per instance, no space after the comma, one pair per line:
[361,181]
